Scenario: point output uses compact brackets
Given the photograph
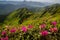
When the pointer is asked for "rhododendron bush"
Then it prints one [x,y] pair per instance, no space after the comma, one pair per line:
[30,32]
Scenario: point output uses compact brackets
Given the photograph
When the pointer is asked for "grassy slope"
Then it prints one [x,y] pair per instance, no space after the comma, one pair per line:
[52,13]
[24,16]
[17,17]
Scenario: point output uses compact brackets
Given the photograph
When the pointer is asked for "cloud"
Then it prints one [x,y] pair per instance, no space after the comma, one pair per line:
[50,1]
[14,0]
[2,0]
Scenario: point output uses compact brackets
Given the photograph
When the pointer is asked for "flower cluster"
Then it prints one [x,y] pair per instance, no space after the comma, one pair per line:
[45,32]
[14,30]
[42,30]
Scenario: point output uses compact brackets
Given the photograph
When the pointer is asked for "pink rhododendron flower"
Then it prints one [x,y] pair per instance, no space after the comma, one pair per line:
[54,23]
[13,30]
[3,32]
[44,33]
[2,38]
[51,29]
[5,38]
[24,29]
[42,25]
[30,26]
[54,29]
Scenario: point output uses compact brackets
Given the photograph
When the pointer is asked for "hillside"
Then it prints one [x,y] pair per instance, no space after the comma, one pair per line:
[18,16]
[24,16]
[52,14]
[8,6]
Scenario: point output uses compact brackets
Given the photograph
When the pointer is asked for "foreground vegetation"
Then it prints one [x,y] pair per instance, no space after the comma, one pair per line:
[30,32]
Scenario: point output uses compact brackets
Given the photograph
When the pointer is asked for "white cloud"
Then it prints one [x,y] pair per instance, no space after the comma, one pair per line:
[2,0]
[53,1]
[14,0]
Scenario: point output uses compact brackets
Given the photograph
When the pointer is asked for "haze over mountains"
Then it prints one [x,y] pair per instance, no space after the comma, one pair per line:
[9,6]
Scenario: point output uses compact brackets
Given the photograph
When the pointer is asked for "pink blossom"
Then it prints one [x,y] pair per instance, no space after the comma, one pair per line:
[54,23]
[30,26]
[44,33]
[51,29]
[2,38]
[24,29]
[13,30]
[42,25]
[3,32]
[54,29]
[5,38]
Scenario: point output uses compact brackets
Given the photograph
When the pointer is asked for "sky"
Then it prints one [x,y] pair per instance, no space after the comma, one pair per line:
[50,1]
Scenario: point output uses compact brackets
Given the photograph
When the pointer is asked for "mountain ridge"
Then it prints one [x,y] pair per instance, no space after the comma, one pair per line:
[24,16]
[9,6]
